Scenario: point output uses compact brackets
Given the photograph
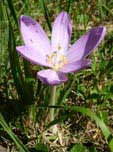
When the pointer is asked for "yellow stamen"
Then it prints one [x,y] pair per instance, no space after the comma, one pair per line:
[56,62]
[64,59]
[50,57]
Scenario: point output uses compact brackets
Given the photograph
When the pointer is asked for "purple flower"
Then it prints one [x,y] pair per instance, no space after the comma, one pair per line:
[56,54]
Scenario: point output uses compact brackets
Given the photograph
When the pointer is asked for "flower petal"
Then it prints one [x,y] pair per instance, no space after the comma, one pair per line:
[33,35]
[86,44]
[32,55]
[61,32]
[76,66]
[51,77]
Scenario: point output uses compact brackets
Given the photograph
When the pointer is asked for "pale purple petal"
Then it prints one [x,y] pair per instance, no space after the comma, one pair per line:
[32,55]
[76,66]
[34,36]
[61,32]
[51,77]
[86,44]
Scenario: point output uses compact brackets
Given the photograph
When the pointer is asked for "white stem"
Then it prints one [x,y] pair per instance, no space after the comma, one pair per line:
[52,103]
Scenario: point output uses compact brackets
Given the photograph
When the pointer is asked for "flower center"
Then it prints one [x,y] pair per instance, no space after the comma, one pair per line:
[56,60]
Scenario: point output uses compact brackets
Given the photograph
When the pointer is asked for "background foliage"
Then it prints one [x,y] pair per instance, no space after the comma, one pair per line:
[85,101]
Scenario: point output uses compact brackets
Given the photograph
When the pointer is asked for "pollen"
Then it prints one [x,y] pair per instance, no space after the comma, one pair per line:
[64,59]
[56,61]
[51,58]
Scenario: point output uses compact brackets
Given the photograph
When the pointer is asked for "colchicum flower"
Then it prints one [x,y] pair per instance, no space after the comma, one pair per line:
[57,55]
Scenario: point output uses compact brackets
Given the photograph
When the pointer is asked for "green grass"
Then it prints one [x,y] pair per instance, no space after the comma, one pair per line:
[85,102]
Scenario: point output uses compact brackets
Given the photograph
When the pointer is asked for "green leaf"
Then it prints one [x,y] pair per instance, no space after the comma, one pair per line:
[64,93]
[68,5]
[92,149]
[104,116]
[12,10]
[41,147]
[111,145]
[79,148]
[45,12]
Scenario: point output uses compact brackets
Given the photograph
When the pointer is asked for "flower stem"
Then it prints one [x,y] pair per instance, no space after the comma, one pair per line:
[52,103]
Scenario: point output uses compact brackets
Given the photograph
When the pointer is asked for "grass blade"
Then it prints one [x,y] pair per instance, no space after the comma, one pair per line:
[68,5]
[24,88]
[93,116]
[18,143]
[45,12]
[12,10]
